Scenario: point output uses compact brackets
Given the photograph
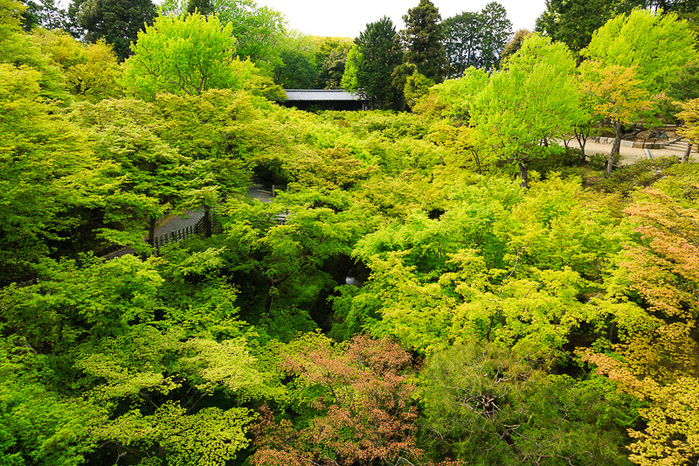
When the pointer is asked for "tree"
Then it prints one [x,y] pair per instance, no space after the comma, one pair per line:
[44,14]
[574,22]
[91,71]
[489,405]
[144,381]
[297,67]
[531,98]
[47,174]
[476,39]
[690,116]
[118,22]
[147,176]
[641,52]
[616,94]
[25,50]
[330,59]
[379,56]
[514,45]
[422,39]
[259,31]
[497,30]
[98,77]
[654,294]
[658,45]
[187,56]
[461,42]
[357,404]
[416,87]
[349,77]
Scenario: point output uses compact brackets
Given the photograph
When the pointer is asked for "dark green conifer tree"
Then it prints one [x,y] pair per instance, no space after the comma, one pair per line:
[423,38]
[115,21]
[380,55]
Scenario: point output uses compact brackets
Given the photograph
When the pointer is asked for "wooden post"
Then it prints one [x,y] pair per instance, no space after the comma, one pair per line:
[685,157]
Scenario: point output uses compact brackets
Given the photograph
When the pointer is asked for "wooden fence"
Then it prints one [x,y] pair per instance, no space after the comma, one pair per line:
[186,232]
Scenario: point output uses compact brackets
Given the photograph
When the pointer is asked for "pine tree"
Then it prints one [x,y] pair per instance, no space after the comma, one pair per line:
[422,39]
[379,56]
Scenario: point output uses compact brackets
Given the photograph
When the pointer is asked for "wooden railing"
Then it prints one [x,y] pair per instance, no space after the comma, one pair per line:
[186,232]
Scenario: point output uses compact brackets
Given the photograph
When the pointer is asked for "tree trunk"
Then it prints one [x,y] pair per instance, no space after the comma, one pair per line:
[151,231]
[207,222]
[615,147]
[523,175]
[685,157]
[581,137]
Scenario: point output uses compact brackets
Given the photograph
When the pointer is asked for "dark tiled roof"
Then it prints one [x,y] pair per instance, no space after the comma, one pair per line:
[321,95]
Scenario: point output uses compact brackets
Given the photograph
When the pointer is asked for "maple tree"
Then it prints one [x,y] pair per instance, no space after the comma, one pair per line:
[616,94]
[356,400]
[532,97]
[659,344]
[690,130]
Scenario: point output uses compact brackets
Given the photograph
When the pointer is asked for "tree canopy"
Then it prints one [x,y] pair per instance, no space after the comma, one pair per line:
[193,274]
[422,39]
[118,22]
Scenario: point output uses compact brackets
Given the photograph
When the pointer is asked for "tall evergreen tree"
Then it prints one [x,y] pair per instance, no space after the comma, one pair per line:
[462,35]
[476,39]
[380,55]
[203,7]
[44,13]
[423,38]
[116,21]
[497,30]
[573,21]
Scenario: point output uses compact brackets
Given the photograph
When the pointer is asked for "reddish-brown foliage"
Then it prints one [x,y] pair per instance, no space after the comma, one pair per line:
[362,397]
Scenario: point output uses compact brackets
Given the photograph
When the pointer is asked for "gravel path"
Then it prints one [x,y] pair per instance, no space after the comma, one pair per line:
[630,155]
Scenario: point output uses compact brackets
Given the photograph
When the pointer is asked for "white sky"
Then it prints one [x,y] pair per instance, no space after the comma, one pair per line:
[343,18]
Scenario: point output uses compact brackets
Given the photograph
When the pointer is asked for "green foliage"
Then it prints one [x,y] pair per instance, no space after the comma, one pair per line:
[45,14]
[514,45]
[297,68]
[639,175]
[416,87]
[422,40]
[476,39]
[377,56]
[405,226]
[531,98]
[117,22]
[657,46]
[187,56]
[146,365]
[330,59]
[495,266]
[488,405]
[38,425]
[259,30]
[146,175]
[575,22]
[454,98]
[349,77]
[47,172]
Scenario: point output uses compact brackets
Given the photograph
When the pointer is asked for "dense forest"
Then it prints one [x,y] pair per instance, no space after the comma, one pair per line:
[442,280]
